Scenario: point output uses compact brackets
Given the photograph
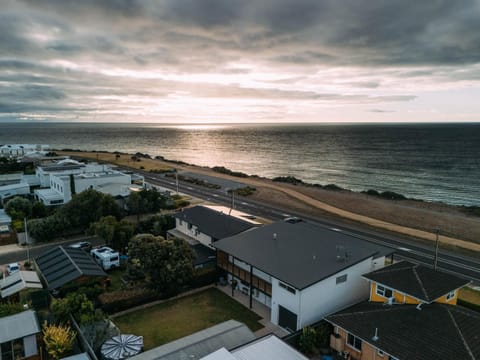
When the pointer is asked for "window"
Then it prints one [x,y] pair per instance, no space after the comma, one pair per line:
[384,291]
[286,287]
[451,295]
[380,352]
[341,279]
[190,226]
[354,342]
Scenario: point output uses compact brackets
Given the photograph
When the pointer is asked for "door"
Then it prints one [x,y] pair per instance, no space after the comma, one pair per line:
[287,319]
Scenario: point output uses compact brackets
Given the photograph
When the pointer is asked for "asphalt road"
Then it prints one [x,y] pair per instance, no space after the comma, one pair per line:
[33,251]
[405,248]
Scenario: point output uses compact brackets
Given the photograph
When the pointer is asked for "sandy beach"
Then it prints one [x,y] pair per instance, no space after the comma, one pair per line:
[411,218]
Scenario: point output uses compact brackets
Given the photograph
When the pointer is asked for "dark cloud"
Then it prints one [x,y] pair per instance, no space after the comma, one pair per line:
[66,52]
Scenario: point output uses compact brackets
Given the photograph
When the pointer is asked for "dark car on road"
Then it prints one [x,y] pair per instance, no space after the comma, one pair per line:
[84,245]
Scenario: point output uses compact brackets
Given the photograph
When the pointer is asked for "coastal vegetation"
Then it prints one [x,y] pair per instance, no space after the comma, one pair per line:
[224,170]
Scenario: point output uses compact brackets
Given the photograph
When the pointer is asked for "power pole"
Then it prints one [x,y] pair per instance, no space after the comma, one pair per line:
[176,179]
[26,238]
[435,259]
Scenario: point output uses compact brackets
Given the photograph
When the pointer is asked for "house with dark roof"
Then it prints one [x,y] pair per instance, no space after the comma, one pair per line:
[61,265]
[435,331]
[201,226]
[301,271]
[408,283]
[206,225]
[412,314]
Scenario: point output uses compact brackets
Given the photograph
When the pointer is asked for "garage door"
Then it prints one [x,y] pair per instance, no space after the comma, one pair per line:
[287,319]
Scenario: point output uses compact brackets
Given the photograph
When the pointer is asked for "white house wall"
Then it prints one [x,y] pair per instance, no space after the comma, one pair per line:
[327,296]
[286,299]
[30,345]
[182,226]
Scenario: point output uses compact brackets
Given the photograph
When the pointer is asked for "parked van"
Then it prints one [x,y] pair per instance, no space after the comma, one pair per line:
[106,257]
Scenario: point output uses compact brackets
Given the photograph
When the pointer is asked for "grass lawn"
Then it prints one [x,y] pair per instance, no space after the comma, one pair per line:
[174,319]
[470,295]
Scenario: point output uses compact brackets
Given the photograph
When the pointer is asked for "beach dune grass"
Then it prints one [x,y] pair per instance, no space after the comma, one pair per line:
[177,318]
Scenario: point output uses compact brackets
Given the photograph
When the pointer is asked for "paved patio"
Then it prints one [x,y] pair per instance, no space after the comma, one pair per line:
[258,308]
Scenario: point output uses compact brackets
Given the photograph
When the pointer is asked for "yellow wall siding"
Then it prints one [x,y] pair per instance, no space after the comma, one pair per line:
[443,299]
[401,298]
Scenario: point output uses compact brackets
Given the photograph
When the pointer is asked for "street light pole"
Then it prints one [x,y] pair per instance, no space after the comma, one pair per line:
[435,260]
[26,239]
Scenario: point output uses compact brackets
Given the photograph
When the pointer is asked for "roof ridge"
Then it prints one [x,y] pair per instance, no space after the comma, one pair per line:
[461,334]
[381,308]
[387,269]
[420,282]
[71,260]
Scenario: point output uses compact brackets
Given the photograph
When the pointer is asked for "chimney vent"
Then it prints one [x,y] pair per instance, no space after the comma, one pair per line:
[274,236]
[375,337]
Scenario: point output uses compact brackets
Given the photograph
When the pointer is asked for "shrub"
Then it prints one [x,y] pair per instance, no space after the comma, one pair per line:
[58,340]
[203,277]
[307,340]
[288,179]
[115,301]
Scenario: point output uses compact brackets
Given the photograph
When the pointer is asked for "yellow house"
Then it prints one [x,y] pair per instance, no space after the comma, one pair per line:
[412,313]
[408,283]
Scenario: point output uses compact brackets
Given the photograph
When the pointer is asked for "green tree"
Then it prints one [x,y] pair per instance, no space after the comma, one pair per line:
[58,340]
[146,201]
[18,208]
[156,225]
[88,207]
[116,234]
[39,210]
[168,263]
[78,305]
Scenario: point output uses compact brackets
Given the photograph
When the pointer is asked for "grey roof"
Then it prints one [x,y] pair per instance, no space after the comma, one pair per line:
[299,254]
[435,332]
[18,326]
[81,356]
[228,334]
[268,347]
[213,223]
[61,265]
[4,218]
[419,281]
[18,281]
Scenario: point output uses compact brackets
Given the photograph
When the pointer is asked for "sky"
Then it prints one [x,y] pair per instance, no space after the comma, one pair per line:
[208,61]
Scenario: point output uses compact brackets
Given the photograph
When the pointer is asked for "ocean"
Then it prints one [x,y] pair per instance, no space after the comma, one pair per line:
[431,162]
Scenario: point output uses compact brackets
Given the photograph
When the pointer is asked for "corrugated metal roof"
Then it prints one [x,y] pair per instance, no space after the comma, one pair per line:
[18,326]
[61,265]
[18,281]
[228,334]
[269,347]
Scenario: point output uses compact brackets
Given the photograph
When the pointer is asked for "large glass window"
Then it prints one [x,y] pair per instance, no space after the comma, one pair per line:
[354,342]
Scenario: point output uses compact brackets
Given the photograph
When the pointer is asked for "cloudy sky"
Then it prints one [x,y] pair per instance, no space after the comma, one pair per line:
[240,60]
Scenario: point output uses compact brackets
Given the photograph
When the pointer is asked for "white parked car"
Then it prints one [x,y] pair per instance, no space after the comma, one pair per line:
[13,268]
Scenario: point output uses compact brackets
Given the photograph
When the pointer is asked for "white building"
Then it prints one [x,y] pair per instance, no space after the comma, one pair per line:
[19,150]
[60,191]
[301,271]
[11,190]
[18,335]
[57,178]
[66,167]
